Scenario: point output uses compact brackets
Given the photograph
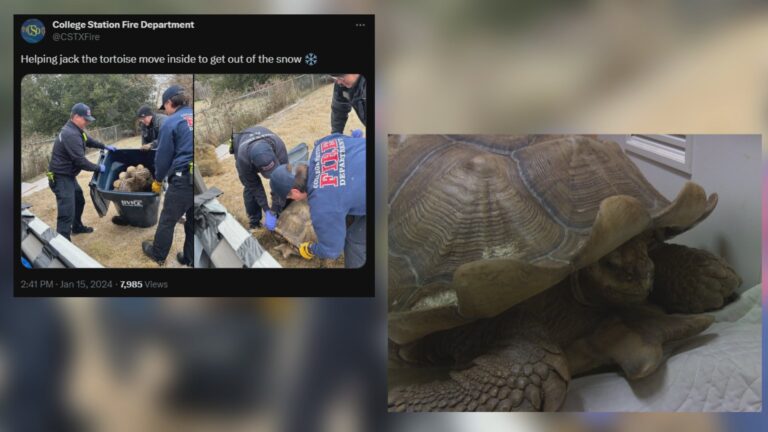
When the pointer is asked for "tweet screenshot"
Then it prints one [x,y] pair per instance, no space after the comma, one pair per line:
[195,155]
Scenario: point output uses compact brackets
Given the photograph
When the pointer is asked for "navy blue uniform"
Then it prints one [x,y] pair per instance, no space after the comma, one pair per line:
[346,99]
[175,148]
[174,155]
[254,196]
[67,160]
[68,157]
[336,197]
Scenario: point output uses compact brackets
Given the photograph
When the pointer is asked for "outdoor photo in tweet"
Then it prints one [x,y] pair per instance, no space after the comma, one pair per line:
[257,161]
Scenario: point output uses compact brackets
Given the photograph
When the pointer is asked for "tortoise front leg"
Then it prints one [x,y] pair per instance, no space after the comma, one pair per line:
[634,339]
[690,280]
[520,375]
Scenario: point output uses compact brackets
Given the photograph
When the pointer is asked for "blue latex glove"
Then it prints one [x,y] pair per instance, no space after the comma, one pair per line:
[357,133]
[270,220]
[111,148]
[102,168]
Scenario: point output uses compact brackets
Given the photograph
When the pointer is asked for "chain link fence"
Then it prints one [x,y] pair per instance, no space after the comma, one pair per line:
[36,152]
[214,125]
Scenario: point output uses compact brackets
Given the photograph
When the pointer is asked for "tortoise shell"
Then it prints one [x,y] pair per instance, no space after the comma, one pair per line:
[478,224]
[295,224]
[142,174]
[133,179]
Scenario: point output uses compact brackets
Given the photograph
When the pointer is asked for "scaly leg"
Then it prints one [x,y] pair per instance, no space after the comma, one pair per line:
[520,375]
[634,340]
[690,280]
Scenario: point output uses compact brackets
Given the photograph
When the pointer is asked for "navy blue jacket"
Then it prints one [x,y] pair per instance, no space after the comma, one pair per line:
[335,190]
[248,172]
[68,156]
[346,99]
[175,148]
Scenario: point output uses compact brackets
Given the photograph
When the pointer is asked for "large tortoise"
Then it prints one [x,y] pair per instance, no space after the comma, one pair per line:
[295,226]
[133,179]
[518,262]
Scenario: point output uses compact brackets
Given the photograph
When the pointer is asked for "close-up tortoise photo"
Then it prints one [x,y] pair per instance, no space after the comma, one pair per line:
[519,262]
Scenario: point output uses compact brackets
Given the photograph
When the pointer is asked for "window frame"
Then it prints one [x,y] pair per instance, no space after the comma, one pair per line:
[673,151]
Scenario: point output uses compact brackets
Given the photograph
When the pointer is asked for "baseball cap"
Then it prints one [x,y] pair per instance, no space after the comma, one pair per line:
[263,158]
[144,111]
[281,181]
[83,110]
[169,93]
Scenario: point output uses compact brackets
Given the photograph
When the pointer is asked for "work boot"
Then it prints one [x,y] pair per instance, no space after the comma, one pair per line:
[82,229]
[182,260]
[148,249]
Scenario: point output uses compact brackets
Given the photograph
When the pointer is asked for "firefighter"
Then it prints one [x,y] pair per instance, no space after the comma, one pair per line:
[334,186]
[258,150]
[67,160]
[150,124]
[348,94]
[174,161]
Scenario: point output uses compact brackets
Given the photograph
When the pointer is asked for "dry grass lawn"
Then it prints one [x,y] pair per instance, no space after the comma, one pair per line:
[211,124]
[112,245]
[305,121]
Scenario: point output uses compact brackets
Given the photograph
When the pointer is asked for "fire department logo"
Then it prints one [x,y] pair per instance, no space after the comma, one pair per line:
[33,31]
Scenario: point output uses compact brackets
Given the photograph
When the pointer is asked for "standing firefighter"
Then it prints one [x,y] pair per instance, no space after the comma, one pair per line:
[334,185]
[348,94]
[67,160]
[150,127]
[259,151]
[174,160]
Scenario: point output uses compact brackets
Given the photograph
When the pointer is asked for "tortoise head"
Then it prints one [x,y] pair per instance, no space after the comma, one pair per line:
[623,276]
